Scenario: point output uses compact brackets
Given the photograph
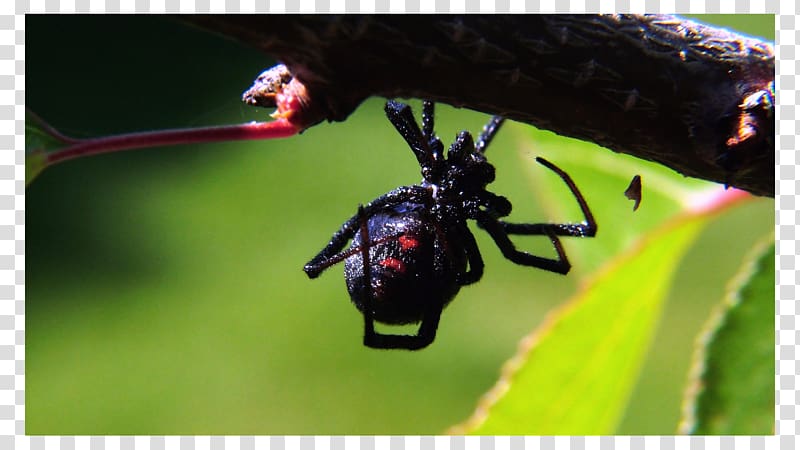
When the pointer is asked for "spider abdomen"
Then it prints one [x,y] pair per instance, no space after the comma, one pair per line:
[410,268]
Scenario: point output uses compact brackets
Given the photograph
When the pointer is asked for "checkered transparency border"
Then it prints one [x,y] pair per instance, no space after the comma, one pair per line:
[12,226]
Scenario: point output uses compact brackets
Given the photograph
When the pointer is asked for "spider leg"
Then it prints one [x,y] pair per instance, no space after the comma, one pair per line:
[369,324]
[399,114]
[427,118]
[586,229]
[498,233]
[423,338]
[332,253]
[493,204]
[499,230]
[434,143]
[473,257]
[473,254]
[557,229]
[488,133]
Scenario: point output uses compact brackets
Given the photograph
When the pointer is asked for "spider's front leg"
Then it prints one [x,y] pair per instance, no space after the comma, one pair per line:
[399,114]
[497,231]
[500,230]
[588,228]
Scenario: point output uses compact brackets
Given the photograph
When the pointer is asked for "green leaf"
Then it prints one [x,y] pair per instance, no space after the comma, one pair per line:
[732,389]
[574,375]
[40,139]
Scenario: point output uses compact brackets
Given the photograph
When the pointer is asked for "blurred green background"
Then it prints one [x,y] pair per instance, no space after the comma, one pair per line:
[164,287]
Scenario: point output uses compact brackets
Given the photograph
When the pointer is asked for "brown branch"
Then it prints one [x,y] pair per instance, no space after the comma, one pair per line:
[695,98]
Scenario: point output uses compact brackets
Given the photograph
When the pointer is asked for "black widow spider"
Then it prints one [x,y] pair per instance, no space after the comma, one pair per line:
[413,243]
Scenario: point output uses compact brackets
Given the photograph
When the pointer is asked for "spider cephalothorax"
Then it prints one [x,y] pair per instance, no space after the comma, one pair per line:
[411,249]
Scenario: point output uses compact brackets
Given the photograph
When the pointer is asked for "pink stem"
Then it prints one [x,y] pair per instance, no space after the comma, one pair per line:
[248,131]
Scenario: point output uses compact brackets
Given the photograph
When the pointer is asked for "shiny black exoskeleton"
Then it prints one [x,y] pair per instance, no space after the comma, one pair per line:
[409,269]
[413,243]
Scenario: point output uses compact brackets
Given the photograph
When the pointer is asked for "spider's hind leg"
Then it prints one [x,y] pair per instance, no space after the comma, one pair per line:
[423,338]
[430,321]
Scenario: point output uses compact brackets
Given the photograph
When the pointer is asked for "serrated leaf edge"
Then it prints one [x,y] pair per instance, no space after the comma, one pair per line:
[716,320]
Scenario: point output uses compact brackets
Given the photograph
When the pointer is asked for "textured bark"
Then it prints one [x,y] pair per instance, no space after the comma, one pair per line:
[695,98]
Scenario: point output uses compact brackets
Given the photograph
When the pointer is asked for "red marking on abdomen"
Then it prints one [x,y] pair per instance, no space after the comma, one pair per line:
[407,242]
[394,263]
